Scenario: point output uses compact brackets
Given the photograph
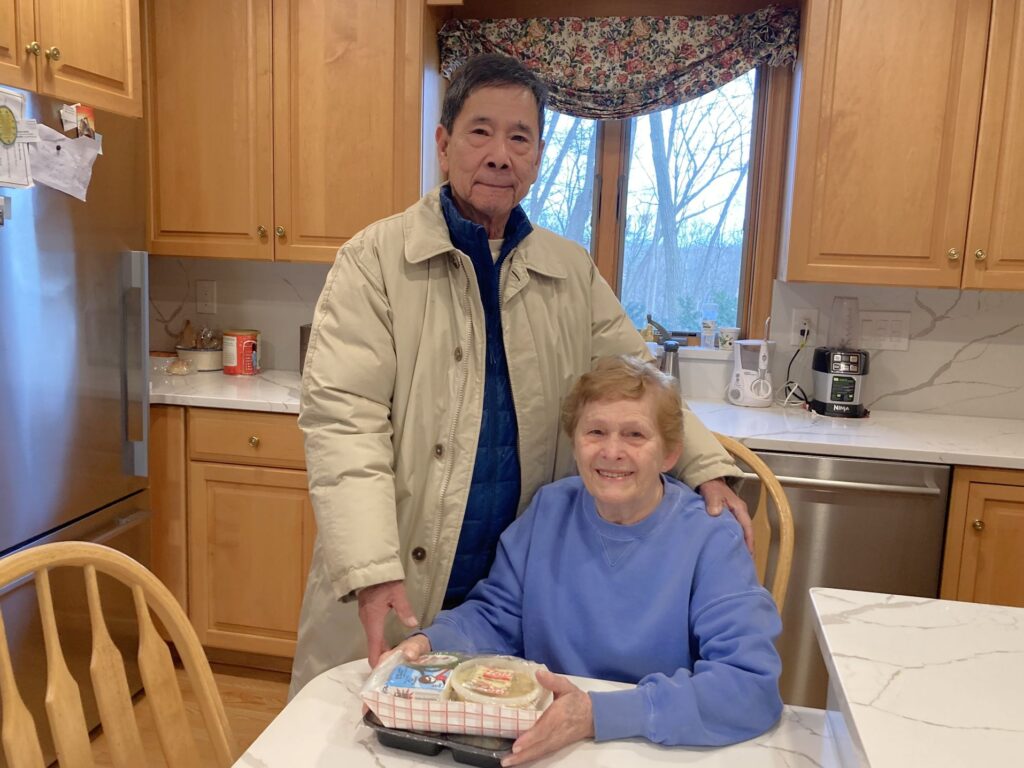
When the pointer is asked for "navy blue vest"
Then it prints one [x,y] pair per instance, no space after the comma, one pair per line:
[494,490]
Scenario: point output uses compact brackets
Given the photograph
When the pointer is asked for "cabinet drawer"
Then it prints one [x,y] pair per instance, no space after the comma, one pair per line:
[245,437]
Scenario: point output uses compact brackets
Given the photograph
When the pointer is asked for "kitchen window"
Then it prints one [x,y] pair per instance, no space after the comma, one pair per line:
[679,208]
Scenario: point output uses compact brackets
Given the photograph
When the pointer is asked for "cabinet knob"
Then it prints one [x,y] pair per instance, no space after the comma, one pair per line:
[254,441]
[34,48]
[53,54]
[279,231]
[261,231]
[980,255]
[952,254]
[978,525]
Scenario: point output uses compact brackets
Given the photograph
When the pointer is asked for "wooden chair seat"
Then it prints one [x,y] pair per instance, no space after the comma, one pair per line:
[107,670]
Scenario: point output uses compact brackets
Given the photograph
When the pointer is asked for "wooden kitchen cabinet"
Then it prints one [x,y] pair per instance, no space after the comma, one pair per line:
[985,537]
[251,530]
[76,52]
[909,145]
[280,128]
[168,496]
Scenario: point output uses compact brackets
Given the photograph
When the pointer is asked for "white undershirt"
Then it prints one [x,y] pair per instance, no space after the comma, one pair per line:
[495,248]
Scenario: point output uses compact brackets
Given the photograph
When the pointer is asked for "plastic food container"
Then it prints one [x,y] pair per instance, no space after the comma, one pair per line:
[501,680]
[498,696]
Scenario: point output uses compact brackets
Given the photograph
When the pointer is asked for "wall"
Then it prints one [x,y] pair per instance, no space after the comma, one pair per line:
[966,351]
[272,297]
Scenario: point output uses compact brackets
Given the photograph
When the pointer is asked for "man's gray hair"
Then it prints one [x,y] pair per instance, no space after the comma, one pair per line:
[490,69]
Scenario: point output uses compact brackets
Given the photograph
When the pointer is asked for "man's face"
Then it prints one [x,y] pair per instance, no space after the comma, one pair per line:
[492,154]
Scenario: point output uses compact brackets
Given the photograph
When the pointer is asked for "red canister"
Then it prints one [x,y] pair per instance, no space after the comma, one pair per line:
[242,352]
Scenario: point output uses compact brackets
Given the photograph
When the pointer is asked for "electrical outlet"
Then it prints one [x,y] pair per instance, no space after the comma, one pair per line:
[206,297]
[803,318]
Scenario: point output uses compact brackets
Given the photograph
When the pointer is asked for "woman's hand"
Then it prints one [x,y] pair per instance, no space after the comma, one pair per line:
[412,648]
[569,719]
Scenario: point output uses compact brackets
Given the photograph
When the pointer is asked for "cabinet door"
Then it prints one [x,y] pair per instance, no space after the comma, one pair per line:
[17,30]
[346,112]
[993,550]
[997,226]
[210,128]
[888,119]
[99,61]
[251,532]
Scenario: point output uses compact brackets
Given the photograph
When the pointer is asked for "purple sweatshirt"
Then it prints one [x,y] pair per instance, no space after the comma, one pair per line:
[671,603]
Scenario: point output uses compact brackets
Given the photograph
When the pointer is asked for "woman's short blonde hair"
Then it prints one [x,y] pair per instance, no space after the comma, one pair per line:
[627,378]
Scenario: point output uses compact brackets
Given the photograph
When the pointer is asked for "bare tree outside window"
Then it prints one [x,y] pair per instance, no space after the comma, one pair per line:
[685,208]
[685,205]
[562,198]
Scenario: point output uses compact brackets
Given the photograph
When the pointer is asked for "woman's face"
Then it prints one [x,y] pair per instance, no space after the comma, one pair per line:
[620,456]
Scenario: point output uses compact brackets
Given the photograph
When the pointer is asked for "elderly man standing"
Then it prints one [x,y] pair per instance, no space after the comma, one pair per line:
[443,344]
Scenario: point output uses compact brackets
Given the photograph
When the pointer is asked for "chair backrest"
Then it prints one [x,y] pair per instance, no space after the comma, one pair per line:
[113,698]
[773,523]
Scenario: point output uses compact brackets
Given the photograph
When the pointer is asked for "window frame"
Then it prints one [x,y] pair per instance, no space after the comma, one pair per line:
[764,203]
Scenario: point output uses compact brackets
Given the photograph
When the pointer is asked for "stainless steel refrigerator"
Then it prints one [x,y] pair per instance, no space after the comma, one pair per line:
[74,394]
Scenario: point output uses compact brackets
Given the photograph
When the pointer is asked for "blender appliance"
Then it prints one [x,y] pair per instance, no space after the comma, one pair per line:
[839,369]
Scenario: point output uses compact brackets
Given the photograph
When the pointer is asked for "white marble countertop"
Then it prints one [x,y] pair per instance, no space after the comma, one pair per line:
[918,681]
[896,435]
[273,391]
[322,726]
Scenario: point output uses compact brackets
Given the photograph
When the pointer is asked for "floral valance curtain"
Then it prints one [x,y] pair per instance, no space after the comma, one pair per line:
[619,67]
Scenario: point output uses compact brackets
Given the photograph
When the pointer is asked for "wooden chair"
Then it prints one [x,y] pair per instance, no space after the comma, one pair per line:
[63,702]
[769,545]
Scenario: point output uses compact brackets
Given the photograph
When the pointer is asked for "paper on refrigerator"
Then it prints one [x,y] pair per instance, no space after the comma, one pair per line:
[14,167]
[62,163]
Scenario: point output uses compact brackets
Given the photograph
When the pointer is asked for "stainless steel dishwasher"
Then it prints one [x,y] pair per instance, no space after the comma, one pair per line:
[876,526]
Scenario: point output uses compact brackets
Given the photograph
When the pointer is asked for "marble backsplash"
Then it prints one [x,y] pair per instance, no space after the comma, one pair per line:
[274,298]
[966,352]
[965,357]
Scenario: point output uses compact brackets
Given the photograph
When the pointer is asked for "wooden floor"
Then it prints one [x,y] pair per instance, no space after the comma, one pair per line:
[251,697]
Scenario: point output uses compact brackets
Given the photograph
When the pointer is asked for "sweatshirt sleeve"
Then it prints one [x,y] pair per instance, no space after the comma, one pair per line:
[613,333]
[732,693]
[491,618]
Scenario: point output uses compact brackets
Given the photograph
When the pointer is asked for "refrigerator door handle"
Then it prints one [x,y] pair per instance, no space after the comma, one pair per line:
[135,362]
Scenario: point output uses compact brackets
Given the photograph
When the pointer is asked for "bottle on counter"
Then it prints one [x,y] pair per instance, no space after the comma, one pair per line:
[708,325]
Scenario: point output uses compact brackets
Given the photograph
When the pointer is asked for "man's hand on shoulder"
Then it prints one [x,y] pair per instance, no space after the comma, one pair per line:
[375,603]
[718,496]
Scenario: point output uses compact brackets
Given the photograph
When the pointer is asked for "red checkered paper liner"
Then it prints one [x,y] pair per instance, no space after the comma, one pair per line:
[450,716]
[444,715]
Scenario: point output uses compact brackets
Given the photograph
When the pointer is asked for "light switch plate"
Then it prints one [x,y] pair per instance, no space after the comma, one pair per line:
[206,297]
[885,330]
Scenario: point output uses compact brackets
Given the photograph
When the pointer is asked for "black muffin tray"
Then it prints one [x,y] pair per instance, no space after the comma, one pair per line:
[483,751]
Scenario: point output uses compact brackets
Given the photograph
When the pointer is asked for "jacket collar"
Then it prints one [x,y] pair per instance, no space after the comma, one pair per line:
[427,236]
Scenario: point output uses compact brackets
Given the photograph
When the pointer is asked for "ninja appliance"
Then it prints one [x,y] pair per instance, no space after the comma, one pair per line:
[839,369]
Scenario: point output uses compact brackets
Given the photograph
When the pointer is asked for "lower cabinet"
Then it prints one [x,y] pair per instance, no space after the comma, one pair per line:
[251,535]
[985,537]
[234,528]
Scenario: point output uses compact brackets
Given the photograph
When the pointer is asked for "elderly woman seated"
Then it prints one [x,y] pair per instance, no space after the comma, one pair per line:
[619,573]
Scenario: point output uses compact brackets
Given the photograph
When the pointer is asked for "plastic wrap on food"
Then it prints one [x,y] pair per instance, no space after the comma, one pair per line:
[454,693]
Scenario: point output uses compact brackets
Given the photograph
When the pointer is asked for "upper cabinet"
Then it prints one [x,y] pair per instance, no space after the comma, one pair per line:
[84,52]
[280,128]
[909,140]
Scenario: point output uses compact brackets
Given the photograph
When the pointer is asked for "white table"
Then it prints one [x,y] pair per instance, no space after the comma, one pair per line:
[916,681]
[322,727]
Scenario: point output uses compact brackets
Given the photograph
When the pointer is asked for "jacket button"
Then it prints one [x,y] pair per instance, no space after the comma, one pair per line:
[439,450]
[419,554]
[458,354]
